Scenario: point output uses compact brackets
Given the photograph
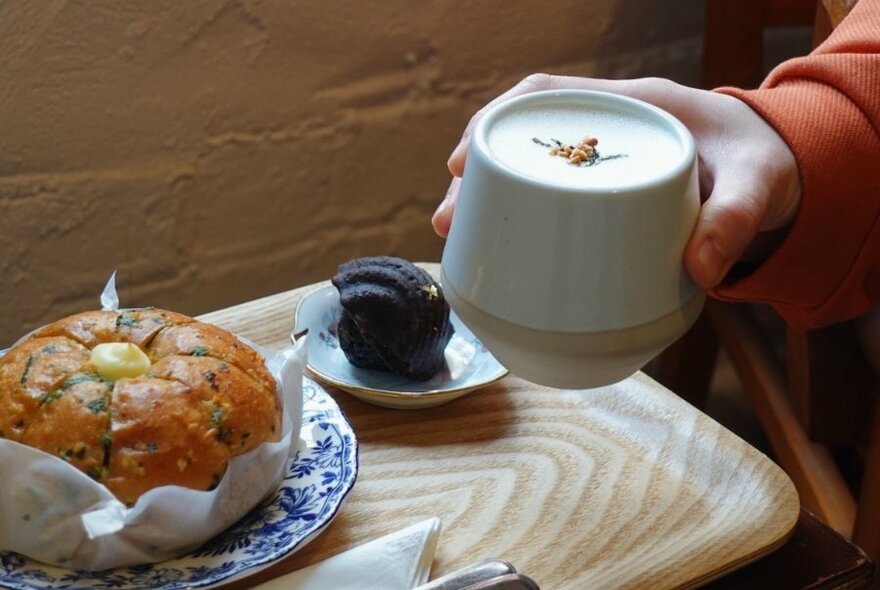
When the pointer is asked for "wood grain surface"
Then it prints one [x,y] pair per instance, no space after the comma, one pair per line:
[624,486]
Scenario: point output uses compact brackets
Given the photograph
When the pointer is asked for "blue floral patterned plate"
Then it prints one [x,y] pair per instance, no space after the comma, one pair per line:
[318,479]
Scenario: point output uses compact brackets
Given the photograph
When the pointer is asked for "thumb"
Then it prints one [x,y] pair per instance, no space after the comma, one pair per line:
[729,221]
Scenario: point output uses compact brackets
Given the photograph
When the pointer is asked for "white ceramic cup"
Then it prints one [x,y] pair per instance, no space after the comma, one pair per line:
[575,284]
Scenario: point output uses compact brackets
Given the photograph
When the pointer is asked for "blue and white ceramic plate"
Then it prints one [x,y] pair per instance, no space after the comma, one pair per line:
[318,479]
[469,365]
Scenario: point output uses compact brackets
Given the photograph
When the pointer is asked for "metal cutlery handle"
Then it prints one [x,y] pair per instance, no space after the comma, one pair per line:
[484,575]
[505,582]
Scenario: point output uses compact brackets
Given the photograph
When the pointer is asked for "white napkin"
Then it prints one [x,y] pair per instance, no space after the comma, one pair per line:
[399,561]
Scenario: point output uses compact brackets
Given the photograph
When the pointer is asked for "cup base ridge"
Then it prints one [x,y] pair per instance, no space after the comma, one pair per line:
[574,360]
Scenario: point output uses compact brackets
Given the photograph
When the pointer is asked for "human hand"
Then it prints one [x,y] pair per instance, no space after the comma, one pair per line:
[749,181]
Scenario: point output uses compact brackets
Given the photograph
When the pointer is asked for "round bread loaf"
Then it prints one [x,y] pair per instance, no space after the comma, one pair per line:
[200,397]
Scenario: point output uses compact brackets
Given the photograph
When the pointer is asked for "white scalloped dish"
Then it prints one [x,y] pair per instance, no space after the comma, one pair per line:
[469,365]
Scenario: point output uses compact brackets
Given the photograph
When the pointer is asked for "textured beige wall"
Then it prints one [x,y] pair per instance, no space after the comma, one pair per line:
[214,151]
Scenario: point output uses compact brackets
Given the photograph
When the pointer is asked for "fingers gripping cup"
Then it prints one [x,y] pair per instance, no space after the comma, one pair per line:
[567,261]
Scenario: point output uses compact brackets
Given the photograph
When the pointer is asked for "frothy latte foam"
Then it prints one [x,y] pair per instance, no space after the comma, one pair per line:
[650,150]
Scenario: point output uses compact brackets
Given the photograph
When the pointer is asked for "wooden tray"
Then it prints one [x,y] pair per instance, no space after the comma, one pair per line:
[625,486]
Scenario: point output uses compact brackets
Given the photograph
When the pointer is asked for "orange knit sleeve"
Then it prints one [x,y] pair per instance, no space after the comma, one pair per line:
[826,106]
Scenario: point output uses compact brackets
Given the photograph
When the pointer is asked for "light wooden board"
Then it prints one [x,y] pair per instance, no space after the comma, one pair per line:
[625,486]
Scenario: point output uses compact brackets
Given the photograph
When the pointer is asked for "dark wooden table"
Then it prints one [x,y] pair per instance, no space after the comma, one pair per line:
[814,557]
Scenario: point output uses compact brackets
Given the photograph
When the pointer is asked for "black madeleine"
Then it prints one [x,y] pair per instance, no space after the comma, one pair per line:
[394,317]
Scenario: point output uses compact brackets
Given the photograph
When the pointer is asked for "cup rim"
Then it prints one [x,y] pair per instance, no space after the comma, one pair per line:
[480,140]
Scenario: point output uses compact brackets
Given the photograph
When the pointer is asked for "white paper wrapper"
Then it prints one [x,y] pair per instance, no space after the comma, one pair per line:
[52,512]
